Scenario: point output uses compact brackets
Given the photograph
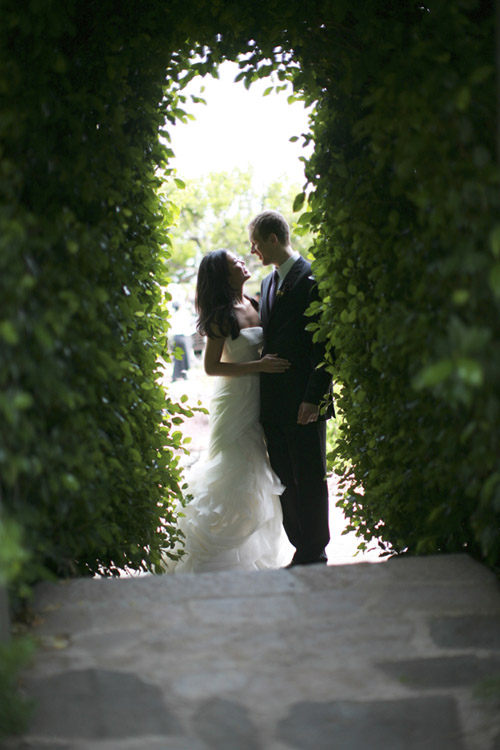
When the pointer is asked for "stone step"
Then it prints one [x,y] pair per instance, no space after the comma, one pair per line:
[401,655]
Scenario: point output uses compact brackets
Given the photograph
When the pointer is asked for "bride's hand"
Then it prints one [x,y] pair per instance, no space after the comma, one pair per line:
[272,363]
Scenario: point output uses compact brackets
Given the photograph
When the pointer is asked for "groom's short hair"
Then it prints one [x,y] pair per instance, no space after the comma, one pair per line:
[271,222]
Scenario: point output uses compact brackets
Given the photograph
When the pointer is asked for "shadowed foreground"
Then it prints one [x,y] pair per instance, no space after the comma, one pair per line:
[384,657]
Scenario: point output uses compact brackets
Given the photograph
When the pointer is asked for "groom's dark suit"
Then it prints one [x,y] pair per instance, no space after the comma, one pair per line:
[297,452]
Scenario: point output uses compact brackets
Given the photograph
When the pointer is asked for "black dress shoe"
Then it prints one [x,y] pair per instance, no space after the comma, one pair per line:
[316,561]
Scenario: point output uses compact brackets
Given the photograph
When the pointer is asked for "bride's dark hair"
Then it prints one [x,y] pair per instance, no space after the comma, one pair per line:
[215,297]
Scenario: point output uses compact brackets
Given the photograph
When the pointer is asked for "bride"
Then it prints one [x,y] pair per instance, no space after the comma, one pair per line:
[234,519]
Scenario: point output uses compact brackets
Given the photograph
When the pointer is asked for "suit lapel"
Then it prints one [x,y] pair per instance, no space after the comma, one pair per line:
[291,279]
[264,314]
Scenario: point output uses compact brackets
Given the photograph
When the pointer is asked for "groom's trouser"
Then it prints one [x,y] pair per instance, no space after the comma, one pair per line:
[297,454]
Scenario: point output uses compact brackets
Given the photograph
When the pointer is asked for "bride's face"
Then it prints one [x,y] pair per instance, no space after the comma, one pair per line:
[237,271]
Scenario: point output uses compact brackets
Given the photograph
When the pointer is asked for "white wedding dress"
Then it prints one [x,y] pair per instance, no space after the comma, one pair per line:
[234,519]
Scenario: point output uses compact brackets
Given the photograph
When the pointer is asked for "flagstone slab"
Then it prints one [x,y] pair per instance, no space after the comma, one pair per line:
[444,672]
[226,725]
[412,724]
[467,631]
[96,703]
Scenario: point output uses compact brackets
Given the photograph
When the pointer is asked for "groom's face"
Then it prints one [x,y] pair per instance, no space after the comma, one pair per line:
[262,248]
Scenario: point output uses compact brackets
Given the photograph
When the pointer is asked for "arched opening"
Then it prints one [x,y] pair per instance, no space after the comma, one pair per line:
[226,178]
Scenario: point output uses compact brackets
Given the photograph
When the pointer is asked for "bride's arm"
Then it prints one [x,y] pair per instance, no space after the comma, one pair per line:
[214,366]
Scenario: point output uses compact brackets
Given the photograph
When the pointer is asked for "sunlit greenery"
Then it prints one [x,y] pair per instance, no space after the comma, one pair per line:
[213,212]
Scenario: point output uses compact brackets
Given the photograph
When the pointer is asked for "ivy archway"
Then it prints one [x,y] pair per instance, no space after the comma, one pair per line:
[404,195]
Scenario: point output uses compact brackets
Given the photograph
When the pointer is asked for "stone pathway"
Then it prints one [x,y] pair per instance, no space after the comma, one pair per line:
[399,656]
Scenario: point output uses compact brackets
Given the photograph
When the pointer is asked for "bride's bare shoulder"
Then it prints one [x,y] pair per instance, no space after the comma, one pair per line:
[247,313]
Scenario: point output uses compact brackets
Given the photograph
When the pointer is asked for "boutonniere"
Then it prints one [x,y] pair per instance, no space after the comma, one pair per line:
[283,289]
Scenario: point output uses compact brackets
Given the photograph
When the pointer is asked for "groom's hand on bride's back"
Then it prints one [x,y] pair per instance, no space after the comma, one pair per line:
[271,363]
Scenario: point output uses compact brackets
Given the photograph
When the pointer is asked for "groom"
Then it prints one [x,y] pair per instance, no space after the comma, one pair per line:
[290,402]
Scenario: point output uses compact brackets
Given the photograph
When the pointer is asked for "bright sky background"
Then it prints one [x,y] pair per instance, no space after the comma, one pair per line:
[238,128]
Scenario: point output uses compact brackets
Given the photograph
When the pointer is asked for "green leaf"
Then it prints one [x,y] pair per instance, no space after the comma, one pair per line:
[433,374]
[298,202]
[495,241]
[22,400]
[305,218]
[470,371]
[8,332]
[463,98]
[494,279]
[461,296]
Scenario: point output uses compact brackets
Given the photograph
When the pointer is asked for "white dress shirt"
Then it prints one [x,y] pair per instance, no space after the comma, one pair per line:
[286,266]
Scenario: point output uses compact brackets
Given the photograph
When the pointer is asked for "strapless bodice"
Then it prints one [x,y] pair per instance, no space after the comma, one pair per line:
[246,347]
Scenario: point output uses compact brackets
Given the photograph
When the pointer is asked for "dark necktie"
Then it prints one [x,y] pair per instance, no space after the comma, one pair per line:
[273,288]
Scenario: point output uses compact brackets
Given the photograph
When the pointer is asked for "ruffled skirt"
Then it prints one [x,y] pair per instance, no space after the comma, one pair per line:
[233,519]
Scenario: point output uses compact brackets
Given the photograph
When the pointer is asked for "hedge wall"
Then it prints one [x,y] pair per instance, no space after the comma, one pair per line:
[86,455]
[404,199]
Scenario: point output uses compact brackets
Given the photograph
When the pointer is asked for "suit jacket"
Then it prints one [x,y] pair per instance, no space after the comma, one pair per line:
[285,334]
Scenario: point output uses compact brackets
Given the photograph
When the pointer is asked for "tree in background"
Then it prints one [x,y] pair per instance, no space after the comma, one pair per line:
[213,212]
